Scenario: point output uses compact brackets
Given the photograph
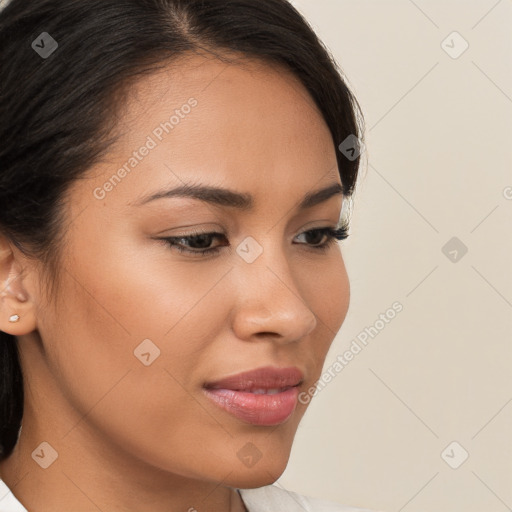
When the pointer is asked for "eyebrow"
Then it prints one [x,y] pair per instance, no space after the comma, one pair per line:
[241,201]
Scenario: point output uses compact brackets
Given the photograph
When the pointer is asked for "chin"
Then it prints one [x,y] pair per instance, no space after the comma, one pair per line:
[256,477]
[264,472]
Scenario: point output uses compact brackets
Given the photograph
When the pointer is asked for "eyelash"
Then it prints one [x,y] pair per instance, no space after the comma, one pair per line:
[333,235]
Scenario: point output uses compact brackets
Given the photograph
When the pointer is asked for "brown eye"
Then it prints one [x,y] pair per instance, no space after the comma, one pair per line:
[197,244]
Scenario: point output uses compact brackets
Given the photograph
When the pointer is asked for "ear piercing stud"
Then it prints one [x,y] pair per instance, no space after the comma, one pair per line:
[14,318]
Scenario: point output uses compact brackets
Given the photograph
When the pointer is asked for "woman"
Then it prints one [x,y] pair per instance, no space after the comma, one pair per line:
[171,191]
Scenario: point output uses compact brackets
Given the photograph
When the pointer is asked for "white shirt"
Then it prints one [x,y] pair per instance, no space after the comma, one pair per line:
[270,498]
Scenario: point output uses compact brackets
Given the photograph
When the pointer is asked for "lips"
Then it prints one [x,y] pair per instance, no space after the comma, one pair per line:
[268,380]
[265,396]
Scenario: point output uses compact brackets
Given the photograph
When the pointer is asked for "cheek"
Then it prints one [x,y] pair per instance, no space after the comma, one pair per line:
[328,293]
[117,317]
[138,408]
[111,303]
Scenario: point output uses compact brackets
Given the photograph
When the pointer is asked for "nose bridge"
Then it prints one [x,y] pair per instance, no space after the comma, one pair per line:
[270,299]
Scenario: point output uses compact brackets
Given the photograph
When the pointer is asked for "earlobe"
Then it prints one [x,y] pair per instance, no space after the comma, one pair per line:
[16,309]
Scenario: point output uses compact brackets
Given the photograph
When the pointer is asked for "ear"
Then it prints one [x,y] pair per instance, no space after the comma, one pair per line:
[15,301]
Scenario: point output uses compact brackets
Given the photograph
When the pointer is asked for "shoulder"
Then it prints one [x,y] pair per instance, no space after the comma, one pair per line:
[261,498]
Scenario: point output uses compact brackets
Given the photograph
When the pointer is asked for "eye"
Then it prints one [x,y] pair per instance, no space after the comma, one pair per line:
[198,244]
[332,235]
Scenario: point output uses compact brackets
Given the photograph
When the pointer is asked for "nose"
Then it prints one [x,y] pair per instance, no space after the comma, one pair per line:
[269,301]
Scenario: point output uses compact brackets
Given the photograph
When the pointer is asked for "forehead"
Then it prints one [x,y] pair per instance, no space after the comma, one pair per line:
[249,124]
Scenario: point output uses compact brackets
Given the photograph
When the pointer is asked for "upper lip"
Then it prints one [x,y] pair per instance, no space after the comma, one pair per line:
[261,378]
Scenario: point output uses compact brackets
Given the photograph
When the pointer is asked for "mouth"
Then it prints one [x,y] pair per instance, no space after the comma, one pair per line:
[265,396]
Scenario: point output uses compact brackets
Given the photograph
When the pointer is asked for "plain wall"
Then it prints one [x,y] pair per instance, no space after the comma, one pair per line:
[438,164]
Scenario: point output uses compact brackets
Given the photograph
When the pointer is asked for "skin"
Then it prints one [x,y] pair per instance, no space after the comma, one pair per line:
[135,437]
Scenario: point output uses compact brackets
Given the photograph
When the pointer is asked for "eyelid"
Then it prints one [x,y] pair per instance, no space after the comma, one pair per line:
[318,225]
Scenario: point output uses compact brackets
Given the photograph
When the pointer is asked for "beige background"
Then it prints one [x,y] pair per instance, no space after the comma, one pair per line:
[438,164]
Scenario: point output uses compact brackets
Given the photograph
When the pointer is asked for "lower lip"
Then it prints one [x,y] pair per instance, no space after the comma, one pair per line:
[256,409]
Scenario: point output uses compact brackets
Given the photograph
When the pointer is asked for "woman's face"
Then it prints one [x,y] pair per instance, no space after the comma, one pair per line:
[138,328]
